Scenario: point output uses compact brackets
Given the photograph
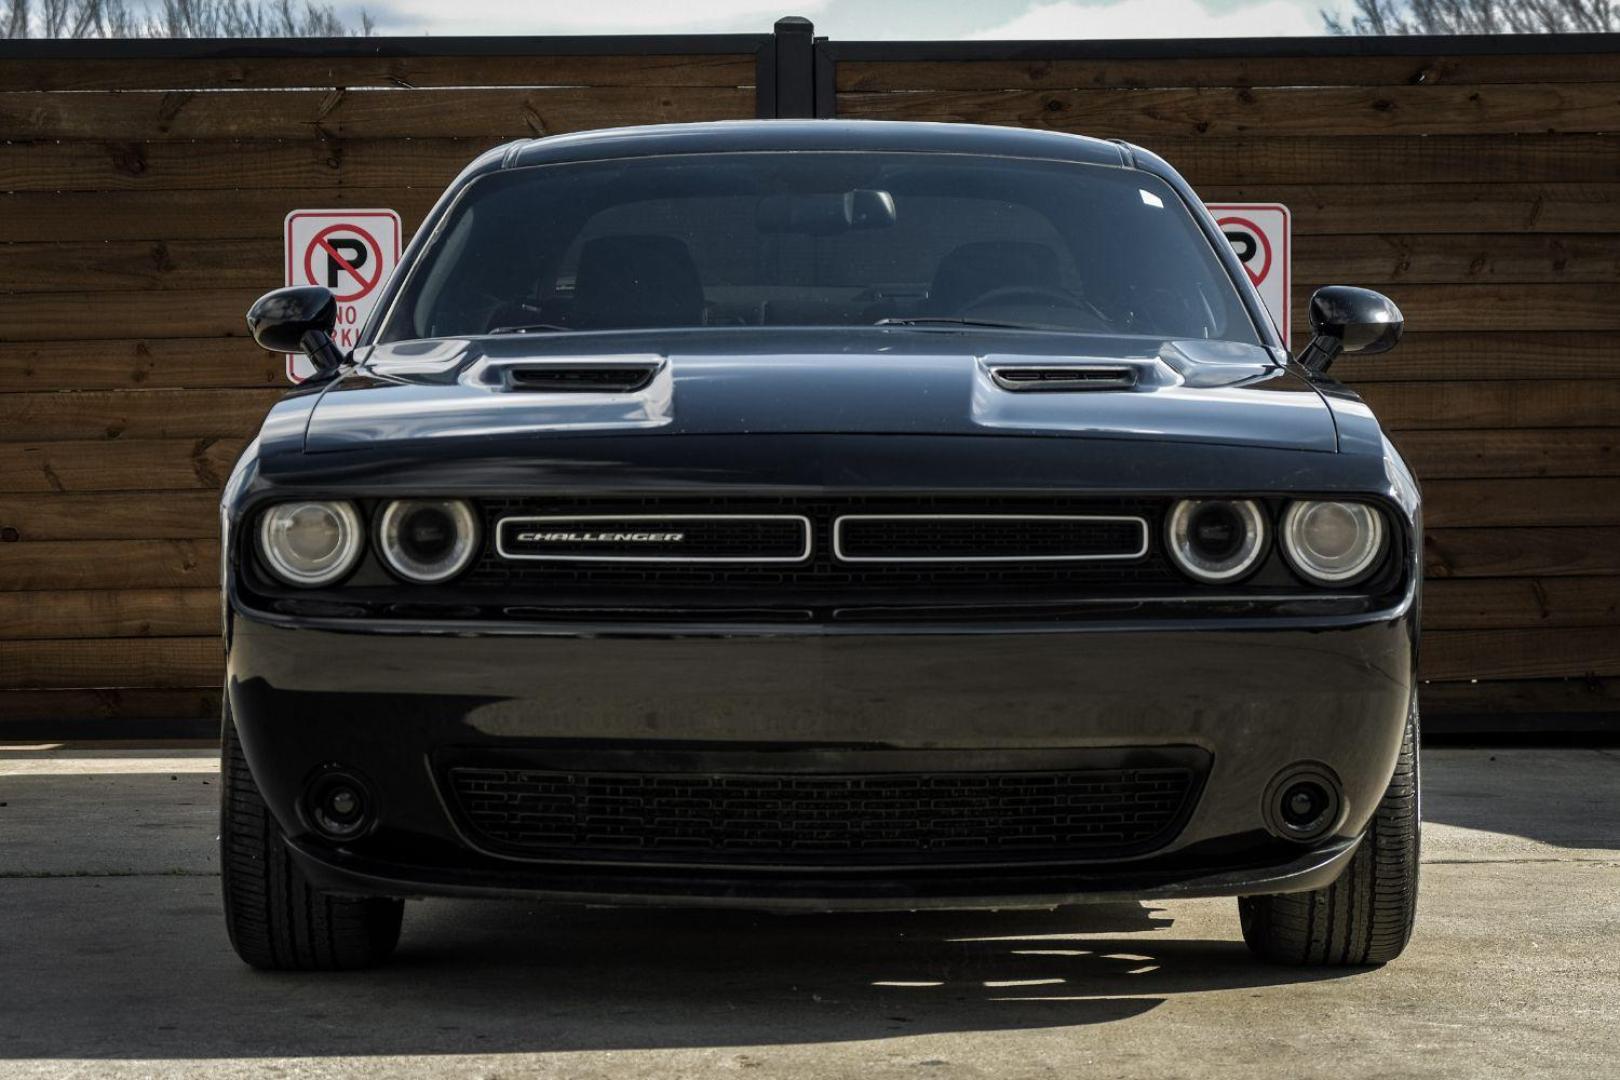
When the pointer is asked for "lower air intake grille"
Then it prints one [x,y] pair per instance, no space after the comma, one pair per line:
[918,817]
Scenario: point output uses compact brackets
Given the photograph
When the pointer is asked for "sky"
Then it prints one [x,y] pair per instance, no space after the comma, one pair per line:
[858,19]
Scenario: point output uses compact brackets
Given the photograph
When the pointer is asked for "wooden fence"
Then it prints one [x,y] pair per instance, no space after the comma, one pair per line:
[1477,181]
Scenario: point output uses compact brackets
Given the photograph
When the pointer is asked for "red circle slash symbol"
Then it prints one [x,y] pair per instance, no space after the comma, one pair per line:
[1263,246]
[336,261]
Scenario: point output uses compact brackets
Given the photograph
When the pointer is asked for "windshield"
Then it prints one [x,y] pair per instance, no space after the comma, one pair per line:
[819,239]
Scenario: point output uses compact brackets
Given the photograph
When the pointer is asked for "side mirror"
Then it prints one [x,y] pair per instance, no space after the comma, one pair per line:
[298,319]
[1347,319]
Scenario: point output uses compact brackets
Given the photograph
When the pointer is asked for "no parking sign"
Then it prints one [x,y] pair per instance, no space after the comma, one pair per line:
[351,252]
[1260,233]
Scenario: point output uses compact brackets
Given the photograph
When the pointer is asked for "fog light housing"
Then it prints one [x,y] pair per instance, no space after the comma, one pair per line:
[339,805]
[1303,803]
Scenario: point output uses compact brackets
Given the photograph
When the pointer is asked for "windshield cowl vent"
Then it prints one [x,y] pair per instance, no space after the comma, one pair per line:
[581,378]
[1049,378]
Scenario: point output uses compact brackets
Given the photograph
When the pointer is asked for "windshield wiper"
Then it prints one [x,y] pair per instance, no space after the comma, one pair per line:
[957,320]
[528,328]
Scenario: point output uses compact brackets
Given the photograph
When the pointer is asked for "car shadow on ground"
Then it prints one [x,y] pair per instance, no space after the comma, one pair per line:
[1560,797]
[502,977]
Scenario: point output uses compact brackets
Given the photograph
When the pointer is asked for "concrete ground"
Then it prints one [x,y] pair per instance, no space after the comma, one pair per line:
[114,962]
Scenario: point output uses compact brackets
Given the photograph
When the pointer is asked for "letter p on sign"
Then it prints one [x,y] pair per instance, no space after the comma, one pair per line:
[351,252]
[1260,234]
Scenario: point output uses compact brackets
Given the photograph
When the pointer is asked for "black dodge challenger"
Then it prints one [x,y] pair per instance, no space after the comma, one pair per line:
[820,515]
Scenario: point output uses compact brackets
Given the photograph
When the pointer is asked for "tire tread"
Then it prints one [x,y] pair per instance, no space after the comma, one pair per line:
[1366,916]
[277,921]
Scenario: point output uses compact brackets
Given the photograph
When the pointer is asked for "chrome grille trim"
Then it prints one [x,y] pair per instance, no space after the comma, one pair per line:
[841,556]
[805,528]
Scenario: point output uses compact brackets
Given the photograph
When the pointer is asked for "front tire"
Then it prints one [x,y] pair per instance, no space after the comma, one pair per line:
[1365,917]
[276,920]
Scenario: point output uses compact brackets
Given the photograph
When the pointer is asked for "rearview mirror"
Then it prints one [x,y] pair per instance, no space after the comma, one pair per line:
[825,215]
[1350,320]
[297,319]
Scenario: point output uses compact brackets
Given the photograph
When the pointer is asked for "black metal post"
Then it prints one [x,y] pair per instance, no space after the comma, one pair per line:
[795,68]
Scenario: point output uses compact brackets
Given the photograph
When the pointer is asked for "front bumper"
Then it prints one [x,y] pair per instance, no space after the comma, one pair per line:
[387,702]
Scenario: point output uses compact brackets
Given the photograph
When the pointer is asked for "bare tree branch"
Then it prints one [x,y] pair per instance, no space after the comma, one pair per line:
[175,19]
[1380,17]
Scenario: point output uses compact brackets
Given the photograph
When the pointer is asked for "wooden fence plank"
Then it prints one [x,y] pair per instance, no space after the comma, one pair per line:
[1542,699]
[1462,354]
[1389,159]
[93,663]
[464,113]
[1506,503]
[1521,552]
[144,363]
[1139,115]
[249,214]
[117,465]
[236,73]
[109,564]
[1571,306]
[1157,72]
[1520,654]
[124,515]
[106,712]
[1525,452]
[1456,258]
[175,612]
[138,414]
[1345,209]
[1419,406]
[127,265]
[1483,604]
[307,164]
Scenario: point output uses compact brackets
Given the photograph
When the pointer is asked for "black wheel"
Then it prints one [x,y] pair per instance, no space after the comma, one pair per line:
[276,920]
[1365,917]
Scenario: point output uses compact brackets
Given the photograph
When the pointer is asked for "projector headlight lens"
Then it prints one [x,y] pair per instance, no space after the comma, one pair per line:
[312,542]
[1332,543]
[1217,540]
[427,540]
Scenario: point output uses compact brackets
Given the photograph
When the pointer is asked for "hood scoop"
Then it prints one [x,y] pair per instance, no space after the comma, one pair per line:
[1038,378]
[610,376]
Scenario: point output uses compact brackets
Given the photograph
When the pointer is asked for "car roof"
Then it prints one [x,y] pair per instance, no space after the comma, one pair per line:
[765,135]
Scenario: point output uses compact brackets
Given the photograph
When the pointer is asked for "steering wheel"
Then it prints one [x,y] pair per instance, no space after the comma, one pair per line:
[1039,294]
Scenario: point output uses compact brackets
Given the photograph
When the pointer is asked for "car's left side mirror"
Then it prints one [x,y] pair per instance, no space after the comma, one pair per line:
[1345,319]
[298,319]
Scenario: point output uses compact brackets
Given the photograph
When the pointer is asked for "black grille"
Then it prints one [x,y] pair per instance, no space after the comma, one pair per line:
[925,817]
[1009,537]
[820,580]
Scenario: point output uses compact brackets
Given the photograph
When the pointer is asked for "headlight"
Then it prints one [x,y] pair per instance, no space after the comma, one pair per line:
[1217,539]
[427,540]
[310,543]
[1332,543]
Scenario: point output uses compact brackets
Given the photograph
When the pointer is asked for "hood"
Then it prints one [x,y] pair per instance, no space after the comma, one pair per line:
[901,381]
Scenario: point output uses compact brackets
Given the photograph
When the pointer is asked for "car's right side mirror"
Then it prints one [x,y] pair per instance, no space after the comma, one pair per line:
[1345,319]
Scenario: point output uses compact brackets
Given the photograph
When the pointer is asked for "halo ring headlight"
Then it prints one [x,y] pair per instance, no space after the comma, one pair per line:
[1216,540]
[427,540]
[310,542]
[1332,543]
